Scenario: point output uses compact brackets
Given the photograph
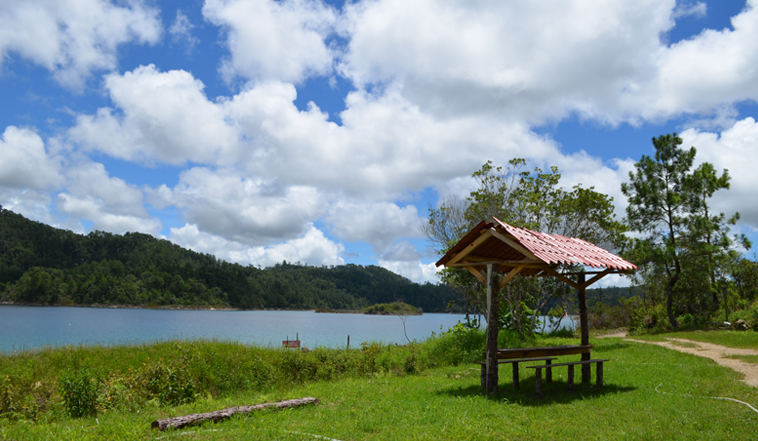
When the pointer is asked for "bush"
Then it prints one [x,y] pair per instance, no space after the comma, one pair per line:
[171,385]
[79,392]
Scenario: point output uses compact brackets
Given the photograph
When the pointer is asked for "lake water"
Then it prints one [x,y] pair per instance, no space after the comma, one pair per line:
[30,327]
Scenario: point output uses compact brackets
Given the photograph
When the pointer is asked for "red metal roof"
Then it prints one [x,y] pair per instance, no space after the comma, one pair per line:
[554,248]
[550,249]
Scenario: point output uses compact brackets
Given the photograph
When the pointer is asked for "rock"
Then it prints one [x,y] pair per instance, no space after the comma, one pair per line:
[740,325]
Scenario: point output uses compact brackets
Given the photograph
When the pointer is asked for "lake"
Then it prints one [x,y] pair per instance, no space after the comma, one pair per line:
[31,327]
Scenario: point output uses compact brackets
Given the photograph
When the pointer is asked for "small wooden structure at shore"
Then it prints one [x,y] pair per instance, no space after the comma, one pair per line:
[494,248]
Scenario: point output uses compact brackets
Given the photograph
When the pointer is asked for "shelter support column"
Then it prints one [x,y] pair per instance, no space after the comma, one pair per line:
[493,305]
[584,325]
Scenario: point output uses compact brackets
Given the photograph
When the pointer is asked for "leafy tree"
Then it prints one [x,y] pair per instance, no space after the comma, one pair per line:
[526,199]
[668,205]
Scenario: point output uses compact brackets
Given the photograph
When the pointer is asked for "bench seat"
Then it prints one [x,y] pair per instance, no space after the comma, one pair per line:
[570,381]
[515,362]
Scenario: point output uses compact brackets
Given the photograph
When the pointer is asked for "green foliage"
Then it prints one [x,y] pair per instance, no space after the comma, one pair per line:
[40,264]
[527,199]
[79,391]
[507,318]
[394,308]
[686,248]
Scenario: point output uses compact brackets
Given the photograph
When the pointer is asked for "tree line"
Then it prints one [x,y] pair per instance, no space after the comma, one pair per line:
[691,268]
[43,265]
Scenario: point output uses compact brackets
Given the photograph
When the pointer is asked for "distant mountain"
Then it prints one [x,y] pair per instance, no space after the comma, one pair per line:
[40,264]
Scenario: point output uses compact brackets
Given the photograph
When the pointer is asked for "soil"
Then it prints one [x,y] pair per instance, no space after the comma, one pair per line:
[714,352]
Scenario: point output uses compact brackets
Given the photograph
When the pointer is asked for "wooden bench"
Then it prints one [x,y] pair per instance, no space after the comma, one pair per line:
[515,362]
[548,367]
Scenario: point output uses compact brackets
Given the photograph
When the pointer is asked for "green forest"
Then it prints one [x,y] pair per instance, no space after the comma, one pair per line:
[693,270]
[43,265]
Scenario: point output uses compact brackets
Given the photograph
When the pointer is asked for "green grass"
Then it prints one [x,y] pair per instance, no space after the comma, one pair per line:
[745,358]
[732,339]
[649,393]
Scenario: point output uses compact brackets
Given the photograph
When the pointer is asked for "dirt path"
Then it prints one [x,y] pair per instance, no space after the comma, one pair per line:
[714,352]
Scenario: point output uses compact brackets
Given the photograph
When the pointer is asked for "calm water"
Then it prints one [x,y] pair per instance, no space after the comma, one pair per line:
[29,327]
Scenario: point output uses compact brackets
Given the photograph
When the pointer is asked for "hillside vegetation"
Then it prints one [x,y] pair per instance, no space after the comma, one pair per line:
[43,265]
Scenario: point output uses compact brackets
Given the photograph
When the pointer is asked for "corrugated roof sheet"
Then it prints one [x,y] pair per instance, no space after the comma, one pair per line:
[551,249]
[554,248]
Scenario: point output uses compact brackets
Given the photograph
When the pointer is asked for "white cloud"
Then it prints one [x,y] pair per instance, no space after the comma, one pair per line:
[181,31]
[415,271]
[532,61]
[702,74]
[733,149]
[25,163]
[698,10]
[31,204]
[311,248]
[282,40]
[378,224]
[161,116]
[109,203]
[241,209]
[71,38]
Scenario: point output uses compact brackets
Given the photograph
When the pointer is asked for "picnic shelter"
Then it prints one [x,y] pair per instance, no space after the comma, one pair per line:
[495,253]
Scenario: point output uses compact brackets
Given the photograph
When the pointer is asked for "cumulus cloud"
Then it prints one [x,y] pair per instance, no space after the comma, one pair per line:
[109,203]
[241,209]
[378,224]
[702,74]
[25,163]
[312,248]
[269,39]
[162,116]
[529,61]
[416,271]
[733,149]
[71,38]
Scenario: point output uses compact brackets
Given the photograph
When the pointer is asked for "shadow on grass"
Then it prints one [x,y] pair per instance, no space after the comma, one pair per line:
[555,392]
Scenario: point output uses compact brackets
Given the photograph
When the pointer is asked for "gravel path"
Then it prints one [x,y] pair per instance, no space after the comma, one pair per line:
[714,352]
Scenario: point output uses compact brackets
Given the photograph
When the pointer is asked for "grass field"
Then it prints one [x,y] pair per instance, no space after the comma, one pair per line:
[649,393]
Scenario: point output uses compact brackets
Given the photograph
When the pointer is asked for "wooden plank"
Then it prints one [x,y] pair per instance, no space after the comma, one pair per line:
[597,277]
[510,276]
[569,363]
[477,274]
[542,351]
[470,247]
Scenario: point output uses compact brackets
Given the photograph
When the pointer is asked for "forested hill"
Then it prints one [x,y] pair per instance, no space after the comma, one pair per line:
[40,264]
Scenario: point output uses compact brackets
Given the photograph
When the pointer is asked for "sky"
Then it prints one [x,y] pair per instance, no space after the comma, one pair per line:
[321,132]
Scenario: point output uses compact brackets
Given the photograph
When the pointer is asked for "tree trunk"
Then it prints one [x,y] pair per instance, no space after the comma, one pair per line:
[584,325]
[492,330]
[218,415]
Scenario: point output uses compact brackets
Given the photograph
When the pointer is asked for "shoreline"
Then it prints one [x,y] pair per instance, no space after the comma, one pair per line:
[199,308]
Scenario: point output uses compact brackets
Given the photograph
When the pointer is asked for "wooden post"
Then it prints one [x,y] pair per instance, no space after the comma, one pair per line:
[492,312]
[538,383]
[585,326]
[515,376]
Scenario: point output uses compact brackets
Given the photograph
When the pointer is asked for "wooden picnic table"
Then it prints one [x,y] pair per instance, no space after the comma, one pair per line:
[546,353]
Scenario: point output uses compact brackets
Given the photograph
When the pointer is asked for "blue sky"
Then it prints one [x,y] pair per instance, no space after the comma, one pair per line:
[321,132]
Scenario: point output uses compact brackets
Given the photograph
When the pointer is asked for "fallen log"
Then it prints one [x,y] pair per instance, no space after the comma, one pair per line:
[218,415]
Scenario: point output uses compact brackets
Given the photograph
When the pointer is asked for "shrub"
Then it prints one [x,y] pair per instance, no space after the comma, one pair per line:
[171,385]
[79,392]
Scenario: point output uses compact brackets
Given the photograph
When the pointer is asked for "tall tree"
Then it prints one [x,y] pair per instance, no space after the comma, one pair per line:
[526,199]
[668,204]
